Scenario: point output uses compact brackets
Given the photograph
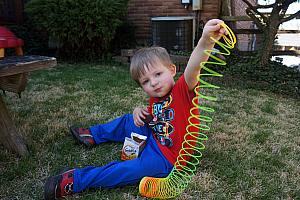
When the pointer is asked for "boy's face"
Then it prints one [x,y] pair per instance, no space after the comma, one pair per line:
[158,80]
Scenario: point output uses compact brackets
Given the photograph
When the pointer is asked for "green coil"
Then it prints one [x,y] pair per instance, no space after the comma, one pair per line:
[193,145]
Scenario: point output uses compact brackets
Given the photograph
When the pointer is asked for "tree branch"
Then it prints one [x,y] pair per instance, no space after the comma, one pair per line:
[283,9]
[255,11]
[264,6]
[256,20]
[297,14]
[287,3]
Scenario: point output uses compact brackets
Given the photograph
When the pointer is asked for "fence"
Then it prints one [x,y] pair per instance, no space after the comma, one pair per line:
[278,49]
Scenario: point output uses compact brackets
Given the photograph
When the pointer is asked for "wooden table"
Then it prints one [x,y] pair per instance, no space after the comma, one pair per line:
[13,77]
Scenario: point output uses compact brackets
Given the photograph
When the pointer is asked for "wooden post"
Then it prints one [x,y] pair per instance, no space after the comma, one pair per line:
[19,51]
[13,77]
[9,136]
[14,83]
[2,53]
[19,8]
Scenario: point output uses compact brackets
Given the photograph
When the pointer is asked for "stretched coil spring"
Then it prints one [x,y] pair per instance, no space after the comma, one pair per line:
[191,152]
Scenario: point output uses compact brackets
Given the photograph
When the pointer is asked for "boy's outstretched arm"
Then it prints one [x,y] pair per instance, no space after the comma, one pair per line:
[211,29]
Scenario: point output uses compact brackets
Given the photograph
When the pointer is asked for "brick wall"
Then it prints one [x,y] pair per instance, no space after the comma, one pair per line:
[140,13]
[211,9]
[11,12]
[244,40]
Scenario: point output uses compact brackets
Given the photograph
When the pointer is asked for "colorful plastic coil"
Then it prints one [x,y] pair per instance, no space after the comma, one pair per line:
[191,152]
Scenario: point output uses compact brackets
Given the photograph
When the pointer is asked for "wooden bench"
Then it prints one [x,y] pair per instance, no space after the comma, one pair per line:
[13,77]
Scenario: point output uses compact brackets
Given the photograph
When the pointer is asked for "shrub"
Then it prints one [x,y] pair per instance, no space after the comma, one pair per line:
[124,37]
[35,42]
[274,77]
[79,29]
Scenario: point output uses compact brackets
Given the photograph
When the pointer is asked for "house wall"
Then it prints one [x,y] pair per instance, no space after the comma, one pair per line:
[11,11]
[245,41]
[140,13]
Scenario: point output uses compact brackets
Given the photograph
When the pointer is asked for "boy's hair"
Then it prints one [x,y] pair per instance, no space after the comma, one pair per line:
[145,58]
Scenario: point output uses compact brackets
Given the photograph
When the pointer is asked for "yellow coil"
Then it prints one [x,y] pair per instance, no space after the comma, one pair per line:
[190,154]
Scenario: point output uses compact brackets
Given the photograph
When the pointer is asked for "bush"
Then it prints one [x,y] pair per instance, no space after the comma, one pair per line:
[35,42]
[274,77]
[124,37]
[79,29]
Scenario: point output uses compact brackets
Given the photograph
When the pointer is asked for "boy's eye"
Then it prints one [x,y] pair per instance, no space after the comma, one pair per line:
[145,82]
[158,74]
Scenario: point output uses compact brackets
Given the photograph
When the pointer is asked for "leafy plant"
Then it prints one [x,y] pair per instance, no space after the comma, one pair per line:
[79,29]
[124,37]
[275,77]
[35,42]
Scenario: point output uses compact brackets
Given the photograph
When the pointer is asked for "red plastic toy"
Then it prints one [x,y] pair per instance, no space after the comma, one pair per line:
[9,40]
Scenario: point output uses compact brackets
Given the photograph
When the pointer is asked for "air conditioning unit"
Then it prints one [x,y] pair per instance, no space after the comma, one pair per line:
[173,33]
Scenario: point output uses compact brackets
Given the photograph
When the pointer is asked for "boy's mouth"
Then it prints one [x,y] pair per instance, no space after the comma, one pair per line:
[157,90]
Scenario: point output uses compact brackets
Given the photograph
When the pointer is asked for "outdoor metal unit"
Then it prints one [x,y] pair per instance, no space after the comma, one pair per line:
[173,33]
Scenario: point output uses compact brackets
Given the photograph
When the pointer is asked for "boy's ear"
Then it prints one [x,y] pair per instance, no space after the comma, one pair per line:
[173,69]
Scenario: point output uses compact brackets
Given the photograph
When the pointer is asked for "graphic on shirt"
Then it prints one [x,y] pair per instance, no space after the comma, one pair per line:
[161,123]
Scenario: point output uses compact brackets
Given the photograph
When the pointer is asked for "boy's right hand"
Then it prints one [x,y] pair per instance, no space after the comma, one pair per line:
[139,114]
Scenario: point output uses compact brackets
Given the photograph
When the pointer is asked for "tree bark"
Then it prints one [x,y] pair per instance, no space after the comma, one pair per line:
[226,8]
[269,34]
[267,46]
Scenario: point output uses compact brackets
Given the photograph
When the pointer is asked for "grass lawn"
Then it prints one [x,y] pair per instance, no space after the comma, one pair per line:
[253,151]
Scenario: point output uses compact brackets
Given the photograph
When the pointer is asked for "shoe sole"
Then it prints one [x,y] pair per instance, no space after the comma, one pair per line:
[51,184]
[77,138]
[50,187]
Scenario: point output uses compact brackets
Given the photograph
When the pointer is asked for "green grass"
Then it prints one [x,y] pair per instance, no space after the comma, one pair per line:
[252,152]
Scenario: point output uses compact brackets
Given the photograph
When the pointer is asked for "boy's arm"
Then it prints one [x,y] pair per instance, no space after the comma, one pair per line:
[211,29]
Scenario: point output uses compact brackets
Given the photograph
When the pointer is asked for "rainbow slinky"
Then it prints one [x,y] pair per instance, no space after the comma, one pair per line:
[193,145]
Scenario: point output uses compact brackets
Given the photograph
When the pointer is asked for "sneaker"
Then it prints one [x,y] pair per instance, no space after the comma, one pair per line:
[59,186]
[83,136]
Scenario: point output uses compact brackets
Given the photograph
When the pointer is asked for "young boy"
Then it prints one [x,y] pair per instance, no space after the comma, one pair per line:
[163,122]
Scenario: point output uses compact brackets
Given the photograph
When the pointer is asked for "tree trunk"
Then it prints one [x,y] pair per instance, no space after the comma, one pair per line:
[266,49]
[226,8]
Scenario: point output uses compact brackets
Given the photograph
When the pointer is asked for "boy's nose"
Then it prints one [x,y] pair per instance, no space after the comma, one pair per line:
[153,82]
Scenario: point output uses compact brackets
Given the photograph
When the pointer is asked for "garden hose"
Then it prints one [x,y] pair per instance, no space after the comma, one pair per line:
[193,145]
